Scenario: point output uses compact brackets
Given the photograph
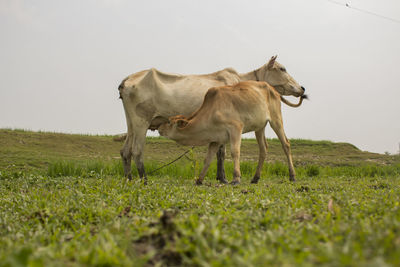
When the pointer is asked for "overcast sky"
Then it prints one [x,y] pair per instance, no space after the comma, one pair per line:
[62,61]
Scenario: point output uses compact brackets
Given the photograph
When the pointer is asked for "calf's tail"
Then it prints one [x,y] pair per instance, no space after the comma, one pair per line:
[294,105]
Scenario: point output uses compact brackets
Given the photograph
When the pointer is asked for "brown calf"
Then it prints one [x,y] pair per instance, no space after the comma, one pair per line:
[225,114]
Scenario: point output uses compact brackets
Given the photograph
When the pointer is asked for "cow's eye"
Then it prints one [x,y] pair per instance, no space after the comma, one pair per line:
[283,69]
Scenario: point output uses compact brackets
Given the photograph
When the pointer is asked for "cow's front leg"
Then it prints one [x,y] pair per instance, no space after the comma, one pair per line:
[278,128]
[220,165]
[212,149]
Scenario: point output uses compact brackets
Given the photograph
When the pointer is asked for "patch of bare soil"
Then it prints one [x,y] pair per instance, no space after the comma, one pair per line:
[161,242]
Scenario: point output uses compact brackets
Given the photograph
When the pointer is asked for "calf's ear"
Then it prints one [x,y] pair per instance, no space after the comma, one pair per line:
[181,123]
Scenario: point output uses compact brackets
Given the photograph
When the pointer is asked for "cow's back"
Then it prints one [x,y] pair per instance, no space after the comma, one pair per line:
[172,94]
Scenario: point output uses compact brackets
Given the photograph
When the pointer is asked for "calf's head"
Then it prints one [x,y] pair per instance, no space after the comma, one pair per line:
[276,75]
[171,129]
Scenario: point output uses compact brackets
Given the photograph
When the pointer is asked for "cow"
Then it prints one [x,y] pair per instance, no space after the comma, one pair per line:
[225,114]
[150,97]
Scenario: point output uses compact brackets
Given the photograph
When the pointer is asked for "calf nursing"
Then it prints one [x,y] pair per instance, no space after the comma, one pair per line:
[226,113]
[150,97]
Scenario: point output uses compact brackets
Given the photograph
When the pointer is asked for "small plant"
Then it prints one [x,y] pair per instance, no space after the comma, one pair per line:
[277,169]
[312,170]
[194,162]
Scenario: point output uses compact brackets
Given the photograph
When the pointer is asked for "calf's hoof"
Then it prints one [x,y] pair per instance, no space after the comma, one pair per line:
[235,182]
[255,180]
[198,182]
[292,178]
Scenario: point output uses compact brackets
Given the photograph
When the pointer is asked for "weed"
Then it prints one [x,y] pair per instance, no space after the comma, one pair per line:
[312,170]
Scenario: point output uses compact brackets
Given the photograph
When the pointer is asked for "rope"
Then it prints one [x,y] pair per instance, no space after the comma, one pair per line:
[165,165]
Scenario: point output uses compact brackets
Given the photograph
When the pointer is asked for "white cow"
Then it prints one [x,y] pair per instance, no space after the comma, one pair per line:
[150,97]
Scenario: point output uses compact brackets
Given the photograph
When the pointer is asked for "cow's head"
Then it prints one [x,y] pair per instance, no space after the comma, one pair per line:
[276,75]
[171,129]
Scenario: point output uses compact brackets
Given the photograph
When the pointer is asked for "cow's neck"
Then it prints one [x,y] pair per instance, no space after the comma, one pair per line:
[251,76]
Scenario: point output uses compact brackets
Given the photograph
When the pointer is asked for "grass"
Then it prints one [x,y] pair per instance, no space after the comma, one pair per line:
[106,221]
[64,201]
[186,169]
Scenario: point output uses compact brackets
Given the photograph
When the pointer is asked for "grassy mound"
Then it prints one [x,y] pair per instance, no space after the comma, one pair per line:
[35,151]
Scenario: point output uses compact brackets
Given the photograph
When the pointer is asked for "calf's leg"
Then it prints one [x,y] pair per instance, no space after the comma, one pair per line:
[262,146]
[235,139]
[277,126]
[220,165]
[212,149]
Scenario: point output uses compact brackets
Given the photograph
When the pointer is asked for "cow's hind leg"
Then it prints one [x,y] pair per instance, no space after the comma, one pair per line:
[262,145]
[126,155]
[137,150]
[220,165]
[277,126]
[212,149]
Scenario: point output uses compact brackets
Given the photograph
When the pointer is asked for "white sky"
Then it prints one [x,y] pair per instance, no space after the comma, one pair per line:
[62,61]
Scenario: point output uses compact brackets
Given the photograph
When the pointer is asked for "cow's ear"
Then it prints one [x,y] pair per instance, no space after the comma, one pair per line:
[271,62]
[181,123]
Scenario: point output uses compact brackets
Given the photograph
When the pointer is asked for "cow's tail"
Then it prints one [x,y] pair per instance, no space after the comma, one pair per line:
[121,87]
[294,105]
[120,137]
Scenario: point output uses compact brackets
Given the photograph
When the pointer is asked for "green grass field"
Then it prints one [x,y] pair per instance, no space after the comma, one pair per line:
[64,201]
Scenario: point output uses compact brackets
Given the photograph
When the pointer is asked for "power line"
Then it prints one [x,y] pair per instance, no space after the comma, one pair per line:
[364,11]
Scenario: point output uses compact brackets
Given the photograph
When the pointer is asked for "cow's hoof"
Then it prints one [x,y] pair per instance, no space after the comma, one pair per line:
[198,182]
[292,179]
[222,180]
[255,180]
[235,182]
